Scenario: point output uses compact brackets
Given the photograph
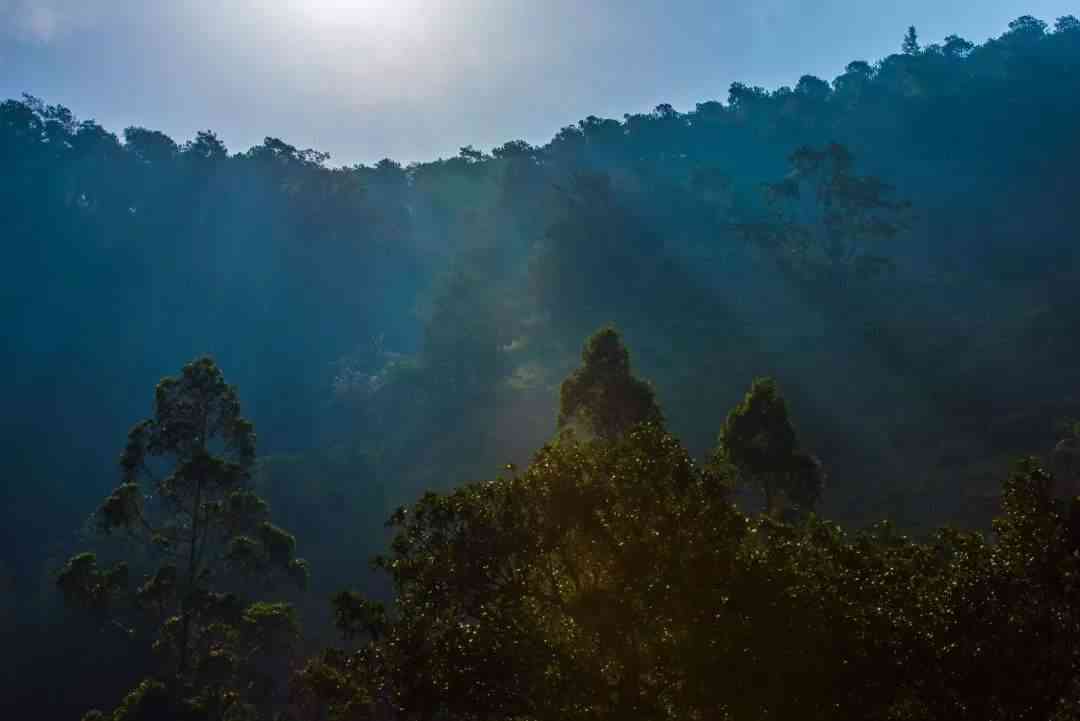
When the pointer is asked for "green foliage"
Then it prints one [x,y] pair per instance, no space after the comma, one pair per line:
[598,261]
[269,627]
[825,220]
[148,701]
[603,394]
[758,436]
[336,686]
[84,585]
[469,323]
[187,505]
[355,615]
[758,441]
[515,596]
[616,580]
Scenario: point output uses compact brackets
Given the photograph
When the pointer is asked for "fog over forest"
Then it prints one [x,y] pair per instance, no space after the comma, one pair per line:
[764,410]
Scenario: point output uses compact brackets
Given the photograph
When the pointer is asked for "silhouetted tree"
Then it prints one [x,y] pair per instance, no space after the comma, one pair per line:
[956,47]
[825,221]
[910,45]
[187,503]
[1027,27]
[1066,24]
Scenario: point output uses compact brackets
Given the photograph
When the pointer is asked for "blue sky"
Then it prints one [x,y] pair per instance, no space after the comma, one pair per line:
[417,79]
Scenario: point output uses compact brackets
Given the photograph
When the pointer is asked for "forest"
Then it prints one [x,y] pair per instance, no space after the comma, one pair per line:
[764,410]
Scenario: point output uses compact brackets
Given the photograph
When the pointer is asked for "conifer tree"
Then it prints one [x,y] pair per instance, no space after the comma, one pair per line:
[911,42]
[759,442]
[200,533]
[603,393]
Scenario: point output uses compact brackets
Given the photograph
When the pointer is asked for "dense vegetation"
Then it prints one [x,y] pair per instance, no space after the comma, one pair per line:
[615,578]
[895,250]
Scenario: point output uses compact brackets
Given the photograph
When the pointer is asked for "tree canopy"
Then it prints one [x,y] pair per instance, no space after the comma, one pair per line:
[617,579]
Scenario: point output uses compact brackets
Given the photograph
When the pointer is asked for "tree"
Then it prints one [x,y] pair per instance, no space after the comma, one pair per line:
[813,87]
[860,68]
[199,531]
[558,593]
[603,394]
[617,580]
[1066,24]
[598,260]
[823,221]
[150,147]
[470,323]
[1027,26]
[759,442]
[741,95]
[206,147]
[857,77]
[957,47]
[1015,616]
[910,45]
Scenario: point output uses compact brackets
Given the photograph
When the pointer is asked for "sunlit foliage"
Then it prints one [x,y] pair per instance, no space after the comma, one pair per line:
[615,578]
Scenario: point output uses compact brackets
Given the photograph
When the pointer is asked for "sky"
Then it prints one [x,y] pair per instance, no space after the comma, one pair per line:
[418,79]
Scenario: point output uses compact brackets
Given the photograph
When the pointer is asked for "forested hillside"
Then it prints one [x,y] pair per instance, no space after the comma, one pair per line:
[896,248]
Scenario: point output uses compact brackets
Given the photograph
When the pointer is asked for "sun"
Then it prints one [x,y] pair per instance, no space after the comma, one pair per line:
[386,15]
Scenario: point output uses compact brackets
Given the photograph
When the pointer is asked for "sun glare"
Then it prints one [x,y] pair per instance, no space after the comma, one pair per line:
[386,15]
